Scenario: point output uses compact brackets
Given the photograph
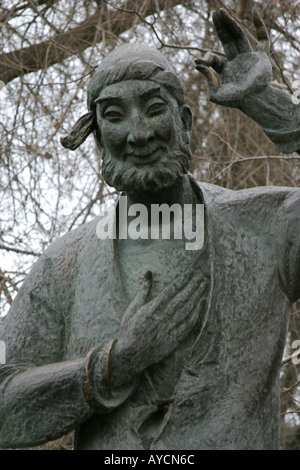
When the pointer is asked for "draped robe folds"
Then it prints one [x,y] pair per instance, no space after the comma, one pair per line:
[220,389]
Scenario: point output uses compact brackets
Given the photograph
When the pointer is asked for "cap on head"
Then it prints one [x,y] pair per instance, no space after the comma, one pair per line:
[127,62]
[135,61]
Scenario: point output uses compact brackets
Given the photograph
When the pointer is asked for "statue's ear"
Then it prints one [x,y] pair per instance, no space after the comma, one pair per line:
[97,137]
[80,131]
[187,117]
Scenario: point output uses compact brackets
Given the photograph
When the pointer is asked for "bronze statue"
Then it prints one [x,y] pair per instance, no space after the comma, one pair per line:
[141,344]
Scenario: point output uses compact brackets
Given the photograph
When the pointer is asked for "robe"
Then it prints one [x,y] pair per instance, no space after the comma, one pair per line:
[220,388]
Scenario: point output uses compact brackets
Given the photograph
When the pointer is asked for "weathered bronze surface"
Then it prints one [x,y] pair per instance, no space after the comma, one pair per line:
[141,344]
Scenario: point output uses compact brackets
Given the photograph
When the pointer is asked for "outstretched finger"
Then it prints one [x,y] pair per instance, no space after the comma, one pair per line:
[231,34]
[212,79]
[212,60]
[262,35]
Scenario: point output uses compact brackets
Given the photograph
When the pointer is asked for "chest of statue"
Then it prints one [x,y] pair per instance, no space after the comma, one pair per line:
[166,259]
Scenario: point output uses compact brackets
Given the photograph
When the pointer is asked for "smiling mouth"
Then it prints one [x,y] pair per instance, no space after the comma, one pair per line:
[143,156]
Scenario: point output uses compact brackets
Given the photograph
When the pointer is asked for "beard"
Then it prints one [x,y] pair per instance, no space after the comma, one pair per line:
[152,177]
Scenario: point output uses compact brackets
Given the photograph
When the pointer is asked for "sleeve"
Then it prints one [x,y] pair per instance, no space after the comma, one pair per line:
[274,110]
[33,332]
[33,329]
[289,240]
[43,396]
[286,141]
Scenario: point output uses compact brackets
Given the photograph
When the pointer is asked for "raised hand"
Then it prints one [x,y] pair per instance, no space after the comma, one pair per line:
[243,71]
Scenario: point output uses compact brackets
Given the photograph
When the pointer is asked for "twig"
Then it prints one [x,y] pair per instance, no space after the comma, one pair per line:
[283,390]
[291,357]
[249,159]
[18,250]
[163,44]
[242,159]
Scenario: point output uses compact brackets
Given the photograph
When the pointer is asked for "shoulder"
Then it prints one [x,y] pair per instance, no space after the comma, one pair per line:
[74,240]
[257,200]
[63,255]
[270,195]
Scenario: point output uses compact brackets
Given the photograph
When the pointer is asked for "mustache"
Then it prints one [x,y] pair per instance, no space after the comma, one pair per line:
[125,176]
[143,151]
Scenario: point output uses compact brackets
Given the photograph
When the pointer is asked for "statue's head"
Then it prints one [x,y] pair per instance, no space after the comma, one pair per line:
[139,119]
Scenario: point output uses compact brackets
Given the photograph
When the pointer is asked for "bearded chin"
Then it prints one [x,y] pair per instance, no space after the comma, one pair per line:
[154,177]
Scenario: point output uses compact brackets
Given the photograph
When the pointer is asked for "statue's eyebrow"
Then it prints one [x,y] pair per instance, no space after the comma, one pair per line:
[152,90]
[115,97]
[102,99]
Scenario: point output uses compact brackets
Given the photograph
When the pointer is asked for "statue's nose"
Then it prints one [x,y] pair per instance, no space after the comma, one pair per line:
[140,132]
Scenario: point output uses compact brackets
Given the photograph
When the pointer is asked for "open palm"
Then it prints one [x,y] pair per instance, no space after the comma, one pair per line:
[243,71]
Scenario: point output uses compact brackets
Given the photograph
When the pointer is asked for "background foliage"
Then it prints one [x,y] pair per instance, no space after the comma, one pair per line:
[49,51]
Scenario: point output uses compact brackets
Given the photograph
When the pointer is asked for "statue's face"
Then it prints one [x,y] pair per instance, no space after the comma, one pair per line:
[141,130]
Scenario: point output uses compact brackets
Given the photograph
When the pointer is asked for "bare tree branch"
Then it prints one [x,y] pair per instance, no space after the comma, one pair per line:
[19,250]
[18,9]
[42,55]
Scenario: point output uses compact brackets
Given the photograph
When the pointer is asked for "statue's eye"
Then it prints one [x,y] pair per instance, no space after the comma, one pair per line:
[155,108]
[113,114]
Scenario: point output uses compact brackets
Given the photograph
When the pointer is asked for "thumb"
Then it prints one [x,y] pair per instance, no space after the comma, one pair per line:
[210,75]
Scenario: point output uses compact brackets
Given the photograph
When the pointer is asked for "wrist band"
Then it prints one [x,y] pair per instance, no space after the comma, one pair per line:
[88,389]
[91,359]
[106,357]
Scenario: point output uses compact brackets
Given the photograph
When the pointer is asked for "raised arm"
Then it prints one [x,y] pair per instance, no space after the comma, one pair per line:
[243,80]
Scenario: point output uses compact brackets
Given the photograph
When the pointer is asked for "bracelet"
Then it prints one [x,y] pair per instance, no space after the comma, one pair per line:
[91,359]
[88,389]
[106,357]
